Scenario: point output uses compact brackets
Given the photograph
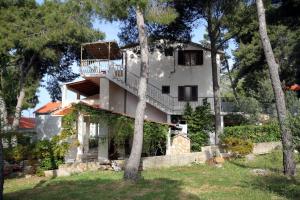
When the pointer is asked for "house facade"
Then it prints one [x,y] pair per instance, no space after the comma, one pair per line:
[179,74]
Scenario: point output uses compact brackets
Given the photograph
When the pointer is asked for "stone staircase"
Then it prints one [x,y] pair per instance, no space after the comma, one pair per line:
[91,156]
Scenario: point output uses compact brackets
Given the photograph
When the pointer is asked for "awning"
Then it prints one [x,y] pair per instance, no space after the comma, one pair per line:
[101,50]
[85,87]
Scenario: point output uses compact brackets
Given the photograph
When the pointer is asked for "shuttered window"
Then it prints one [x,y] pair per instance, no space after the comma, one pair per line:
[190,57]
[188,93]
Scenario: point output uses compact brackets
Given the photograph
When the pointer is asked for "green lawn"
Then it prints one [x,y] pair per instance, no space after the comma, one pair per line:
[233,181]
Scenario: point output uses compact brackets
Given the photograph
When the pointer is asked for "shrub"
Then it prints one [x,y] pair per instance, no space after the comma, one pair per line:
[200,124]
[237,146]
[294,123]
[265,133]
[235,120]
[50,153]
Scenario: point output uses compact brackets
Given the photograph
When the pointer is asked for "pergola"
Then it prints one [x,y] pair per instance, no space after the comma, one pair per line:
[108,50]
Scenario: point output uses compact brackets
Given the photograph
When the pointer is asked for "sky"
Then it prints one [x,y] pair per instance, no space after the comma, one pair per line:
[111,31]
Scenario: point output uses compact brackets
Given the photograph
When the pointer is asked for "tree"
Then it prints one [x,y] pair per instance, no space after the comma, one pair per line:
[3,124]
[217,15]
[287,141]
[283,31]
[153,11]
[37,40]
[200,125]
[41,39]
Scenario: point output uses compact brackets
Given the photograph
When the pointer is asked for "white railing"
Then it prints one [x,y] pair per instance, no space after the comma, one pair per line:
[116,73]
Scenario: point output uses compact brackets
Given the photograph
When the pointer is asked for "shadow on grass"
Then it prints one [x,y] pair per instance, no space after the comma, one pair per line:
[275,182]
[104,189]
[248,166]
[278,184]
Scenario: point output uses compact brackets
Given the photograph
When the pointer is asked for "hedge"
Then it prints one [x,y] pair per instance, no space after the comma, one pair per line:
[263,133]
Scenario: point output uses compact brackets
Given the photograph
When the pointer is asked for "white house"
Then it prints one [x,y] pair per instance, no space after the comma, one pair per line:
[179,74]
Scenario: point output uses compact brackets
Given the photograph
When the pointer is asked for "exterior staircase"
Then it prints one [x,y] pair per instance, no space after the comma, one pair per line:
[130,81]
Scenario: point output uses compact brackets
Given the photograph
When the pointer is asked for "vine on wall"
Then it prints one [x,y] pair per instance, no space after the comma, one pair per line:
[120,128]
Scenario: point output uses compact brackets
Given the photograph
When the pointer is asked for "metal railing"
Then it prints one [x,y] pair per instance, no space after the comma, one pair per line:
[116,73]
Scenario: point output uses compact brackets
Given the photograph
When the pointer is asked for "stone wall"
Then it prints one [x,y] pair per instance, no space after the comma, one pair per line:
[180,144]
[173,160]
[265,147]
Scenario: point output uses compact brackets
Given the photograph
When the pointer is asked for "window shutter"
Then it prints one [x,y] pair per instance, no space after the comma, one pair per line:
[199,60]
[180,58]
[194,93]
[180,93]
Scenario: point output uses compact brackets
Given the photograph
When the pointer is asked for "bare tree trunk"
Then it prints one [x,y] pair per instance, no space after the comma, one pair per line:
[286,136]
[3,127]
[25,66]
[215,77]
[18,110]
[133,163]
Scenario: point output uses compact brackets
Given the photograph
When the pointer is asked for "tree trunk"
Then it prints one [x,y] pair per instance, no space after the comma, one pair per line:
[133,163]
[3,128]
[286,136]
[18,110]
[215,77]
[25,67]
[216,91]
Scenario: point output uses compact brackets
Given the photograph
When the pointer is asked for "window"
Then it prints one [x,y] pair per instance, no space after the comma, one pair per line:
[188,93]
[190,57]
[165,89]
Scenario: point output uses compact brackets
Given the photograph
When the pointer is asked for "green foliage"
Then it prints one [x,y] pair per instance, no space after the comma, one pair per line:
[238,146]
[120,127]
[250,106]
[200,123]
[155,136]
[265,133]
[50,153]
[235,120]
[294,124]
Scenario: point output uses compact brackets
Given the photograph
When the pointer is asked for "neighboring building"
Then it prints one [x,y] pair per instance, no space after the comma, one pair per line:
[110,75]
[47,125]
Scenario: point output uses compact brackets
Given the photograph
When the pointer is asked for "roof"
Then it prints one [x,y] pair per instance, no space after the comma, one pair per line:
[68,109]
[101,50]
[49,108]
[25,122]
[186,43]
[295,87]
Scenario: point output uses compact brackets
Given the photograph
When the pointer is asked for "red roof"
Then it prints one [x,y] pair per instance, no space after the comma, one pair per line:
[25,122]
[49,108]
[295,87]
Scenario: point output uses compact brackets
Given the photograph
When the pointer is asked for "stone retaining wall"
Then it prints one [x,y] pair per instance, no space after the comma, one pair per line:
[265,147]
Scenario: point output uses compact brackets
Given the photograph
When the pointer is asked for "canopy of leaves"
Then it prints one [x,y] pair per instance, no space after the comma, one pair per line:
[42,39]
[283,30]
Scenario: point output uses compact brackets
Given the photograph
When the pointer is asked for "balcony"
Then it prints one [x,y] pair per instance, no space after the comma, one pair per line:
[99,58]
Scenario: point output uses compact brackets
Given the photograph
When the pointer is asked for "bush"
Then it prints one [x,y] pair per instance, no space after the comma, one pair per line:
[237,146]
[294,123]
[265,133]
[235,120]
[200,124]
[50,153]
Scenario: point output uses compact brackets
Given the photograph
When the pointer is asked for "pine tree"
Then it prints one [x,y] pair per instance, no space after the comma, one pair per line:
[287,140]
[155,11]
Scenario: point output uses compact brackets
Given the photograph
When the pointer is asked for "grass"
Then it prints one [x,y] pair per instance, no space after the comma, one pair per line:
[233,181]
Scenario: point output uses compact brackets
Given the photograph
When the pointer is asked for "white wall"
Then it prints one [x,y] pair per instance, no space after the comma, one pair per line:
[165,71]
[47,126]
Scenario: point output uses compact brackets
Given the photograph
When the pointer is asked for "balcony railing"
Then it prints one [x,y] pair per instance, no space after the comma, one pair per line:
[166,102]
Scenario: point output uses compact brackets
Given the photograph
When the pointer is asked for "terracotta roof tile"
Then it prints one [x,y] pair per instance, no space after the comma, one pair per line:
[25,122]
[49,107]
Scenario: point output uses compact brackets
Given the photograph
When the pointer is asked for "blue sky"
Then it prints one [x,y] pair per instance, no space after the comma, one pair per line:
[111,31]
